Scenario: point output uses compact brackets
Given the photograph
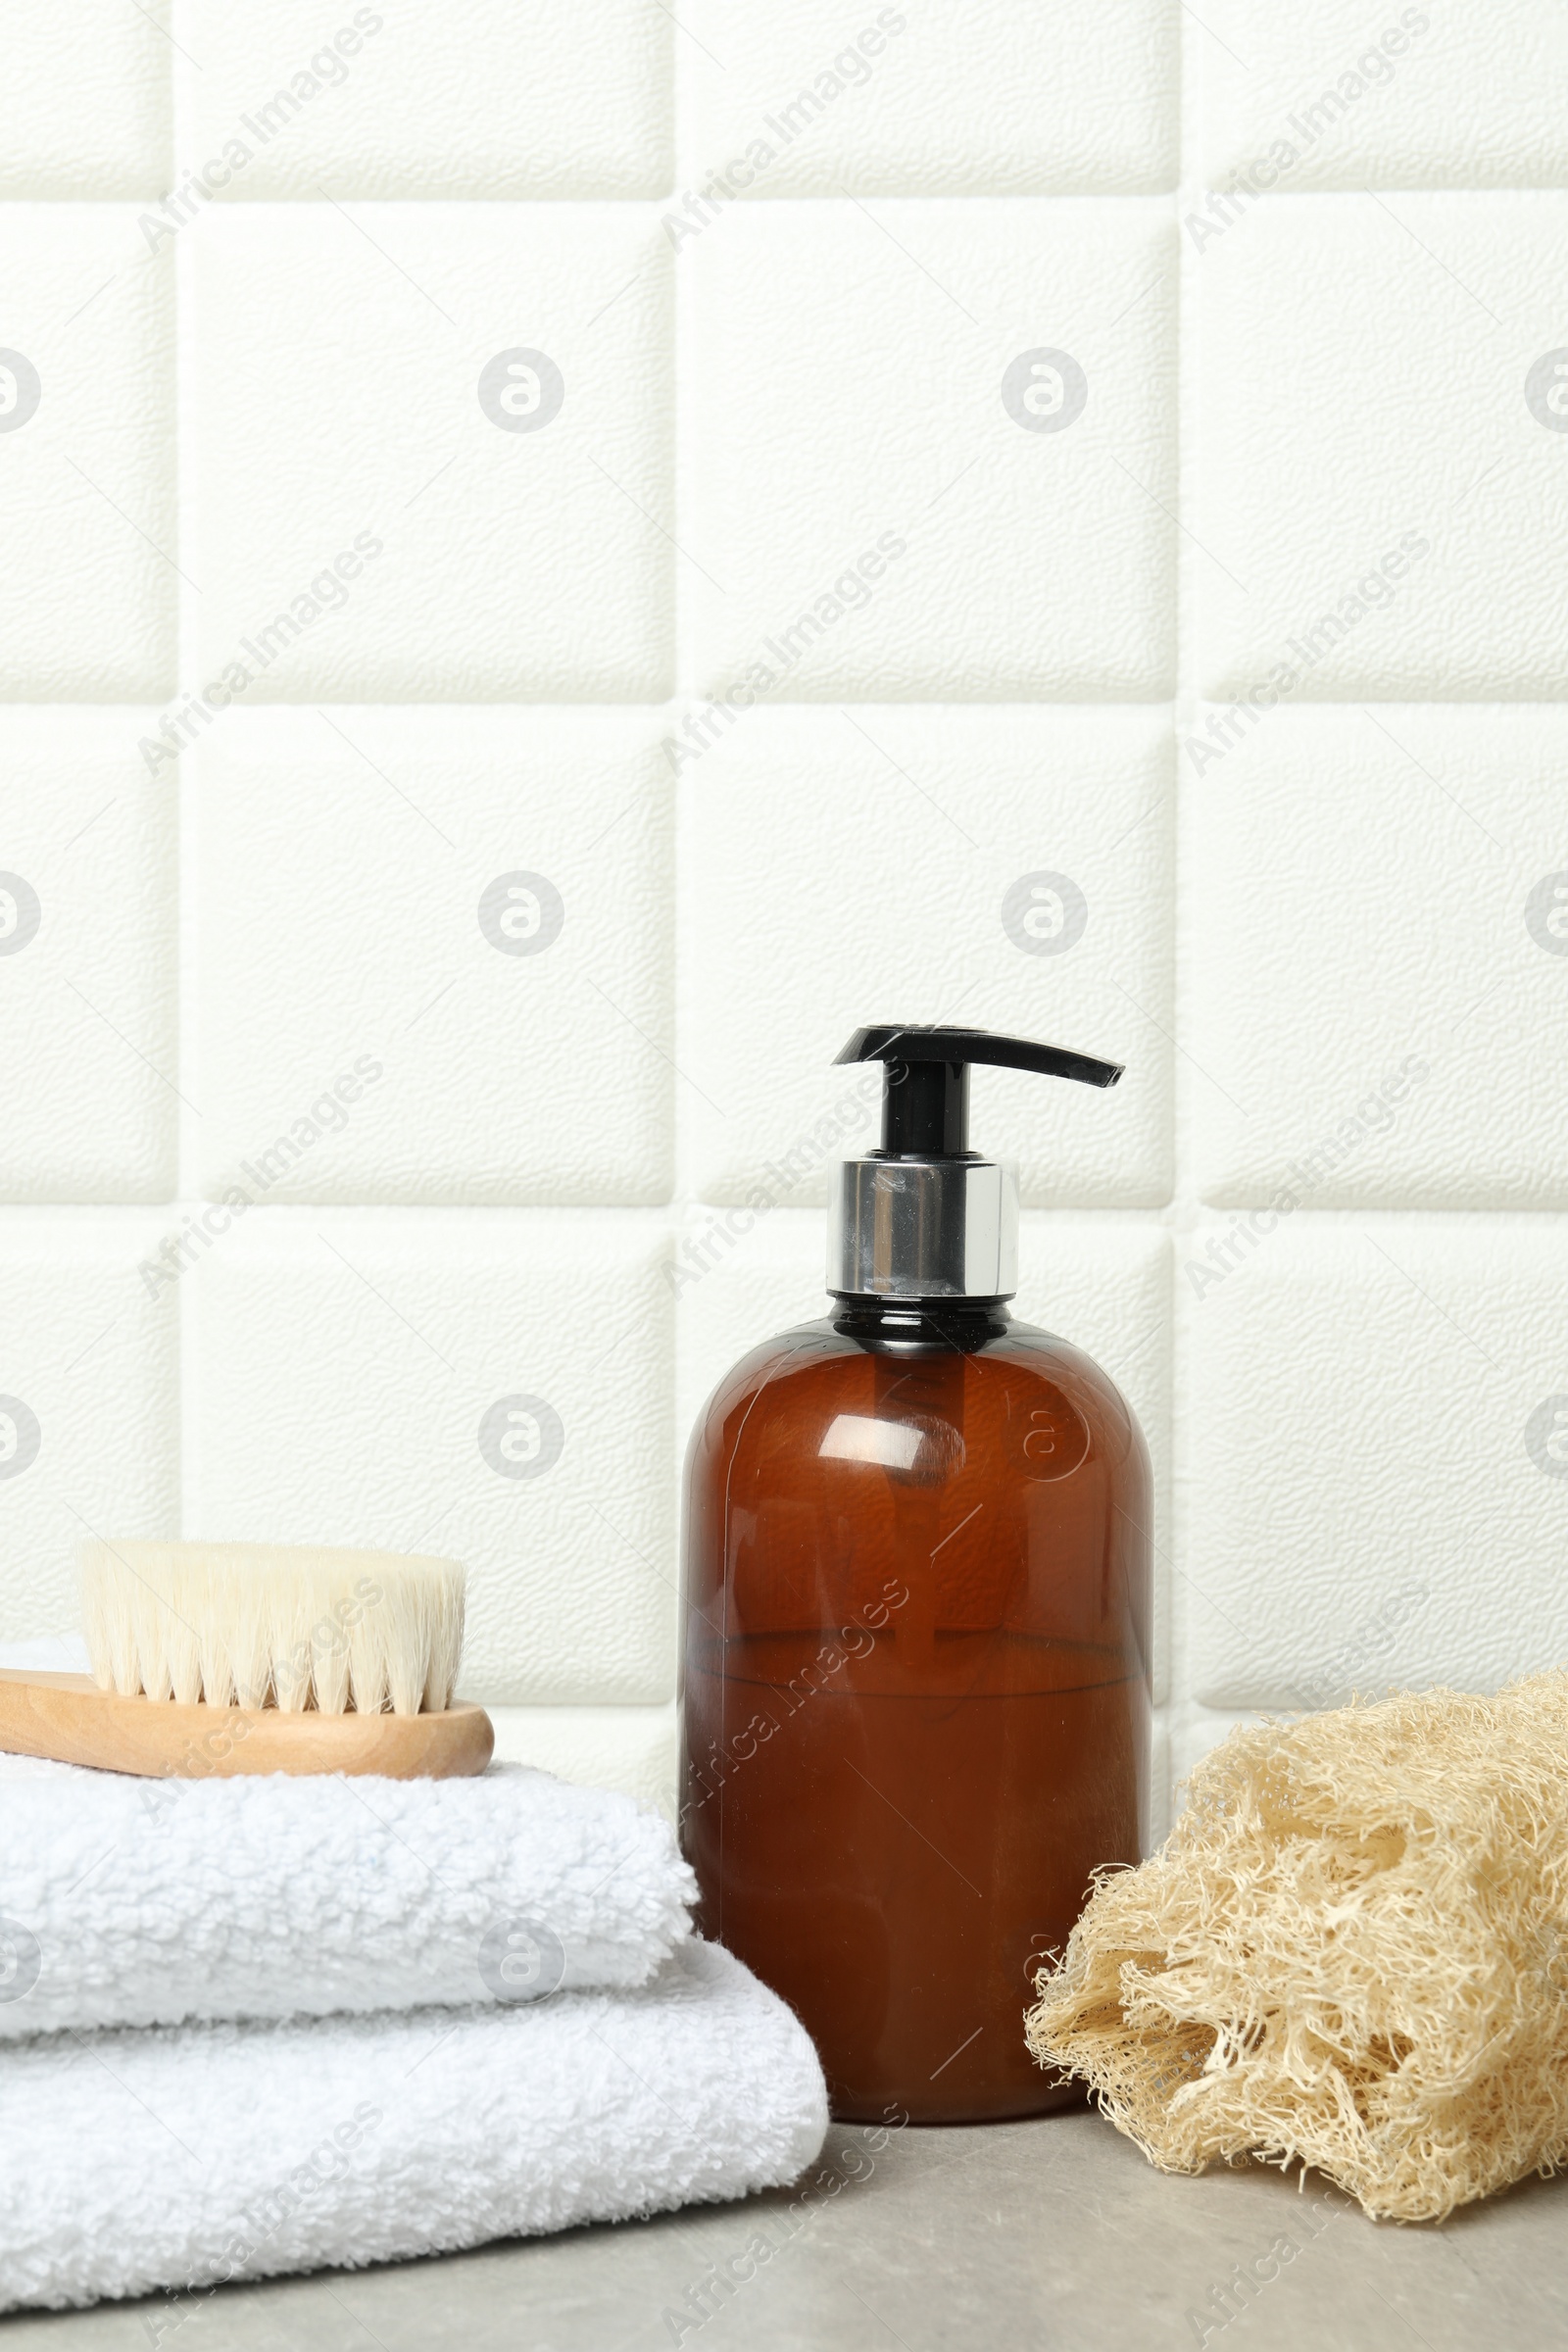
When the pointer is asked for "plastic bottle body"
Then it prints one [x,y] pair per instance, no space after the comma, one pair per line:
[915,1686]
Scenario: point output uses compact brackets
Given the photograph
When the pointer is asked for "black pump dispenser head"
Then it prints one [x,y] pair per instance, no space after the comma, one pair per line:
[923,1216]
[925,1096]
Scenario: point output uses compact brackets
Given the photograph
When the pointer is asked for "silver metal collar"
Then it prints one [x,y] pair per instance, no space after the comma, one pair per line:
[923,1229]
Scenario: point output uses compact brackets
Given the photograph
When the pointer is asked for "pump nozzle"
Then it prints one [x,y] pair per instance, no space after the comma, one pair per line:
[925,1096]
[923,1216]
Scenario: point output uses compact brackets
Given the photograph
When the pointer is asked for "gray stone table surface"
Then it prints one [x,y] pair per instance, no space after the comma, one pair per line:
[1047,2234]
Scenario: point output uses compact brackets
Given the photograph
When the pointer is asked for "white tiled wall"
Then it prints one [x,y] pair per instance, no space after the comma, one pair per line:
[559,558]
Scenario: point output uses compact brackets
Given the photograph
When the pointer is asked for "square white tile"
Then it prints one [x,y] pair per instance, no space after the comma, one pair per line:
[464,915]
[89,1403]
[495,1387]
[86,104]
[1376,1465]
[89,590]
[1378,493]
[939,98]
[929,450]
[1379,930]
[1326,96]
[473,99]
[90,1054]
[446,477]
[1009,866]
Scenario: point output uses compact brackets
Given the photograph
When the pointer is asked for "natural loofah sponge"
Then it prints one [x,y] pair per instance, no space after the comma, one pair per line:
[1351,1951]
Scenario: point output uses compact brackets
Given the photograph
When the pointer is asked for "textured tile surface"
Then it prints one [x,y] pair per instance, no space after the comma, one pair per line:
[533,98]
[470,908]
[1380,959]
[85,106]
[449,479]
[1330,96]
[89,591]
[90,1061]
[494,1387]
[1378,1469]
[1379,477]
[929,452]
[1030,890]
[945,98]
[89,1401]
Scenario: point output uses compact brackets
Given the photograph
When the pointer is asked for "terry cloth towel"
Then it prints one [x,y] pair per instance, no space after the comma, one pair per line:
[138,1902]
[181,2158]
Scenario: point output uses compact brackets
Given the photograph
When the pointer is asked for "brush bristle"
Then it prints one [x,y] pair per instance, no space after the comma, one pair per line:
[292,1625]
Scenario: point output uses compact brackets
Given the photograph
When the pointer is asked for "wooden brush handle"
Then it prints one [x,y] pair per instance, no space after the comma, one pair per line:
[65,1716]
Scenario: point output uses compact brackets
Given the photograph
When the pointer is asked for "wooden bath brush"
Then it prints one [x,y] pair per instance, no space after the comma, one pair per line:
[212,1659]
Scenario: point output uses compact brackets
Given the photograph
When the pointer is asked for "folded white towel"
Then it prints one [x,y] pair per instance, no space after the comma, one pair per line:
[134,1902]
[181,2158]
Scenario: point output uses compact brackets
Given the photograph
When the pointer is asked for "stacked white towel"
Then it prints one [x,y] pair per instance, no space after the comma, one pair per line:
[257,2026]
[156,1902]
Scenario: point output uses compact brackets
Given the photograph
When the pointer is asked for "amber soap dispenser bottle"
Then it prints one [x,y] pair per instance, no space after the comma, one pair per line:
[916,1682]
